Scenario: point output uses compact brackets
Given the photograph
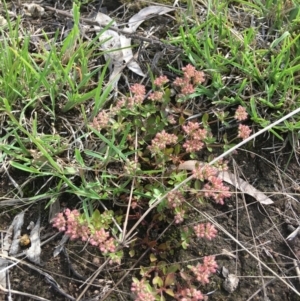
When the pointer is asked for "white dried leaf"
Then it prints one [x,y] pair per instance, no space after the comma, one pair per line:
[189,165]
[145,14]
[112,47]
[33,10]
[118,47]
[111,44]
[230,178]
[115,76]
[34,252]
[61,244]
[17,225]
[30,226]
[103,19]
[245,187]
[8,237]
[126,48]
[110,41]
[4,262]
[293,234]
[3,266]
[128,56]
[134,67]
[3,21]
[224,272]
[110,38]
[228,253]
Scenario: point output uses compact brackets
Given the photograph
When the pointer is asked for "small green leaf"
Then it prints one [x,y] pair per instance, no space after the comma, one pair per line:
[205,118]
[170,292]
[198,185]
[96,216]
[25,168]
[70,170]
[173,268]
[158,281]
[278,40]
[79,158]
[184,245]
[152,257]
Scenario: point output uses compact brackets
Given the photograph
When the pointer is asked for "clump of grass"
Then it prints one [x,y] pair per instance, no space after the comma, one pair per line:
[251,52]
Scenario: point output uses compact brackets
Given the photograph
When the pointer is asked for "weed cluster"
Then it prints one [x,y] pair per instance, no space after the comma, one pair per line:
[119,159]
[163,139]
